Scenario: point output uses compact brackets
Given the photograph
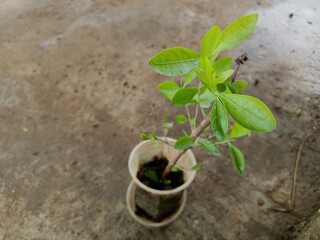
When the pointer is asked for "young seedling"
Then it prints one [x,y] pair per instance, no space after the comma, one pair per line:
[215,97]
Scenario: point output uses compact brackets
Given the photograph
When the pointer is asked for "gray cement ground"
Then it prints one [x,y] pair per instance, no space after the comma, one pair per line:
[75,92]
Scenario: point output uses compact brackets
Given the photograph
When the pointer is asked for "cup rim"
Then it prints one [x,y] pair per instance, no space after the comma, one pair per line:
[156,191]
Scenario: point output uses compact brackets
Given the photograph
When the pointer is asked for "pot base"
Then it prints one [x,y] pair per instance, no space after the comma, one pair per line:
[148,223]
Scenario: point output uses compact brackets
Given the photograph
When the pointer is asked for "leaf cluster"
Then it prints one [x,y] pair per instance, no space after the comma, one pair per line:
[232,113]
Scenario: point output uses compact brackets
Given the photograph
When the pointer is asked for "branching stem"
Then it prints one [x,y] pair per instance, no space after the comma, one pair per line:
[194,134]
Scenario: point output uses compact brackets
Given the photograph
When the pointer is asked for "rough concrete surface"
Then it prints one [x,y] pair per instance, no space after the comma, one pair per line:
[75,92]
[312,230]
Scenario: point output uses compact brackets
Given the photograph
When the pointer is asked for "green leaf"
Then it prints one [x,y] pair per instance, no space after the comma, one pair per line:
[204,104]
[228,90]
[165,181]
[237,158]
[206,98]
[222,65]
[219,120]
[152,176]
[236,32]
[223,76]
[238,131]
[144,136]
[201,74]
[183,143]
[189,77]
[196,167]
[184,96]
[249,112]
[175,169]
[203,89]
[166,127]
[240,85]
[205,71]
[168,89]
[209,146]
[176,61]
[154,133]
[221,87]
[232,89]
[164,118]
[193,122]
[181,119]
[209,40]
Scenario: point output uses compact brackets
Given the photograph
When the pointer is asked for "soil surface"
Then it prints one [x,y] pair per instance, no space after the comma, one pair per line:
[150,174]
[75,92]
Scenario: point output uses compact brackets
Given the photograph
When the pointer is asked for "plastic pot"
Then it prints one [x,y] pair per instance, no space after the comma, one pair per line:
[152,201]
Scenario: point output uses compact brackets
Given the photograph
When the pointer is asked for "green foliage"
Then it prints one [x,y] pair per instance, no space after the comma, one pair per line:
[176,61]
[238,131]
[184,96]
[209,146]
[168,89]
[181,119]
[196,167]
[240,85]
[205,71]
[250,112]
[217,95]
[164,118]
[236,32]
[189,77]
[193,122]
[219,120]
[237,158]
[183,143]
[209,41]
[175,169]
[206,98]
[152,176]
[221,87]
[222,65]
[165,128]
[144,136]
[223,76]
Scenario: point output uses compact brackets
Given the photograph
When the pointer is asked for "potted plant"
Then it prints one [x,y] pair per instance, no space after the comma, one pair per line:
[161,167]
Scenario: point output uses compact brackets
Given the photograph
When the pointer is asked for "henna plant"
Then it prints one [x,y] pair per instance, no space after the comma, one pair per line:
[217,90]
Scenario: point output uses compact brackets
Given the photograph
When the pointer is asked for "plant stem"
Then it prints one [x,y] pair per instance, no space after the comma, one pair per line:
[196,113]
[233,78]
[240,60]
[203,112]
[194,134]
[189,118]
[197,105]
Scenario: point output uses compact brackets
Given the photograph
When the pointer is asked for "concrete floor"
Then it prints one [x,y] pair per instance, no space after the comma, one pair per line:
[75,92]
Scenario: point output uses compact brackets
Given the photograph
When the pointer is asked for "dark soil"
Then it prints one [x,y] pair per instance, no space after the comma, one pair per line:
[150,174]
[174,179]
